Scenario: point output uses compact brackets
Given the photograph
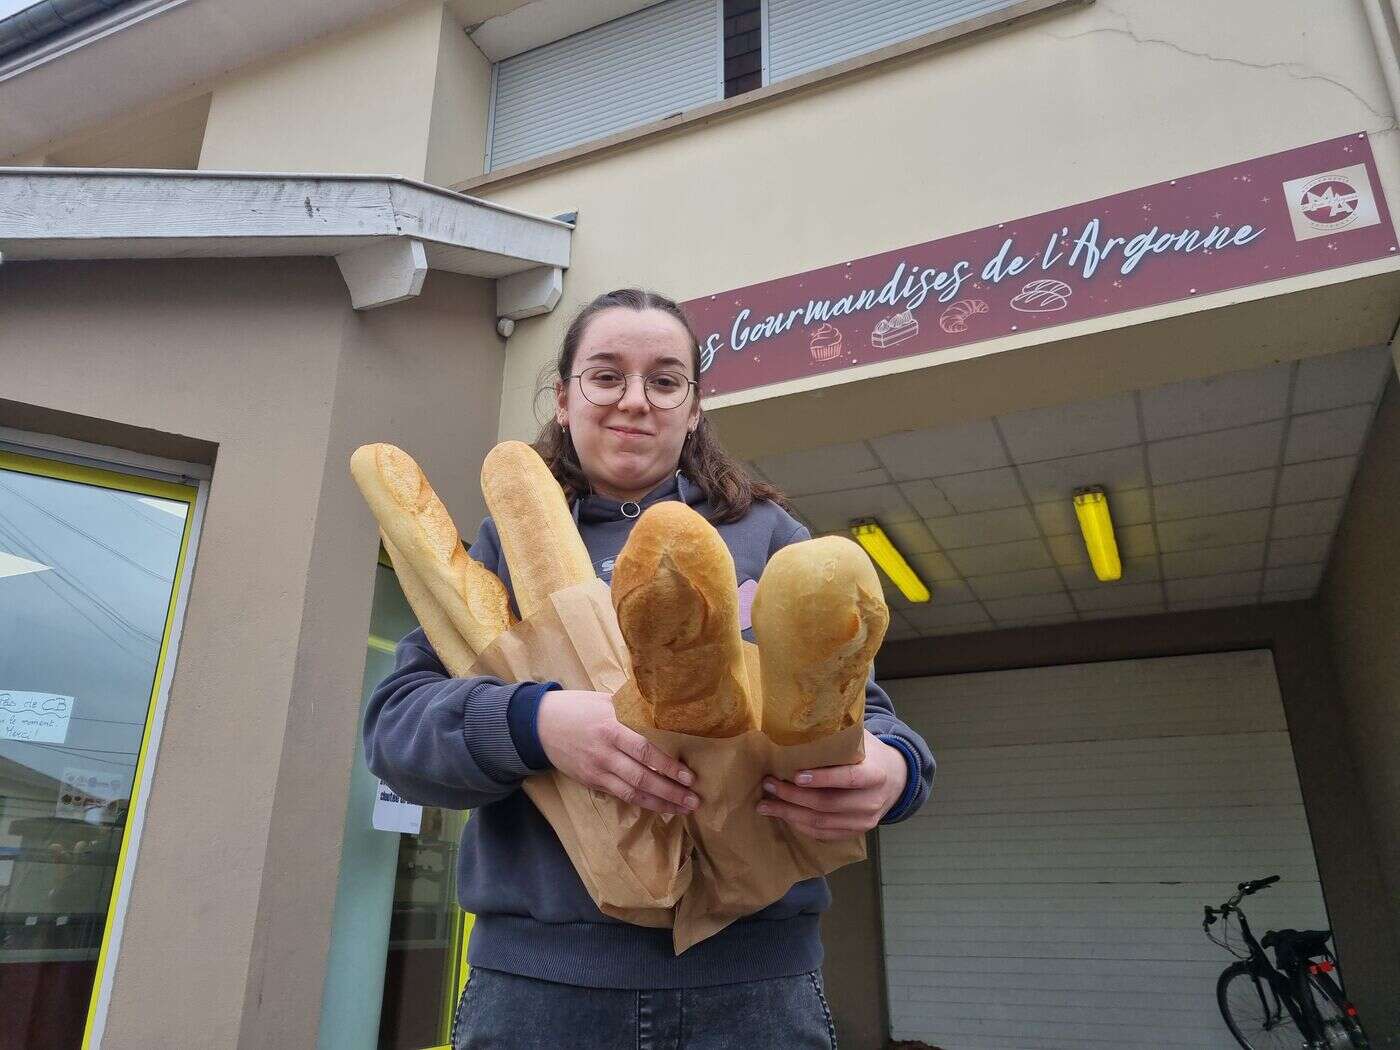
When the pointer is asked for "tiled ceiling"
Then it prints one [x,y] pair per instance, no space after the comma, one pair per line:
[1223,491]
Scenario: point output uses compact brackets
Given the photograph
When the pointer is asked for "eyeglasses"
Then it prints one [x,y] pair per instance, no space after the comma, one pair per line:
[605,386]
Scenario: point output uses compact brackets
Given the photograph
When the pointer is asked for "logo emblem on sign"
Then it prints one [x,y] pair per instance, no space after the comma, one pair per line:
[1330,202]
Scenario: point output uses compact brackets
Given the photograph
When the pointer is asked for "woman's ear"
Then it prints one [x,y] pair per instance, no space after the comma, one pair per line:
[561,403]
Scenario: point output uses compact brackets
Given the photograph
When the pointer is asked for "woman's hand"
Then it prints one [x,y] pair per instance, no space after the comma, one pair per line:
[836,802]
[583,739]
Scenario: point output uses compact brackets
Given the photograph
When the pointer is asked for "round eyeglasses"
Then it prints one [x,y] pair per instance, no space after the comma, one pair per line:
[605,386]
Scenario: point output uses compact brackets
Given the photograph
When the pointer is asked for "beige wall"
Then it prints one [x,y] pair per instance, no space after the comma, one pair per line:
[230,909]
[358,102]
[1361,602]
[461,101]
[1064,108]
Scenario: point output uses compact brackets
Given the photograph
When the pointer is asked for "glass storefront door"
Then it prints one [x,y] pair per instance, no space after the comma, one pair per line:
[398,944]
[90,566]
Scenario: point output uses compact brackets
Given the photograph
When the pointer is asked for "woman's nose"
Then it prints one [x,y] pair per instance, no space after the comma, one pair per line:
[634,395]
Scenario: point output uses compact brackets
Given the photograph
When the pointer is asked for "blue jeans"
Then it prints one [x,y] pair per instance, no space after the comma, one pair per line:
[504,1011]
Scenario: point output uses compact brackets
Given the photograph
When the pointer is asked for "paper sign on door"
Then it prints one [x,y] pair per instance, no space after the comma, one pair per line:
[38,718]
[392,813]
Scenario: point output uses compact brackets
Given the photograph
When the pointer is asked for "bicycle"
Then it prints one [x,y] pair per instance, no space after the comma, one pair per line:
[1295,1004]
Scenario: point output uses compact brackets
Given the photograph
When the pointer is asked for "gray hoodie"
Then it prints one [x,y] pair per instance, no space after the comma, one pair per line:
[468,743]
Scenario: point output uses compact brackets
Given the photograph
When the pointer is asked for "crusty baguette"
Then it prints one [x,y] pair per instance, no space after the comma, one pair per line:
[456,655]
[538,535]
[819,616]
[678,607]
[419,529]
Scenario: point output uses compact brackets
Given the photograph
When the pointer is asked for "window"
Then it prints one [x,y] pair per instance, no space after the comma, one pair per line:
[680,54]
[743,46]
[91,563]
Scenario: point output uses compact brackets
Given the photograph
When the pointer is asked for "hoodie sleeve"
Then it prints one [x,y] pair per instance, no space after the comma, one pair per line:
[454,742]
[881,720]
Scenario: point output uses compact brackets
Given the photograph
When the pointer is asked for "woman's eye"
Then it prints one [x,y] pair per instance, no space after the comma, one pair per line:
[665,382]
[607,377]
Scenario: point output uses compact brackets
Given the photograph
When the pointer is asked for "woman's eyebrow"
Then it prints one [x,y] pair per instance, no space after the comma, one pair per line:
[612,358]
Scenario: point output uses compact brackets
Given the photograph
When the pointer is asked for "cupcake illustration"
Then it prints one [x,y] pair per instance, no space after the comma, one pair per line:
[826,343]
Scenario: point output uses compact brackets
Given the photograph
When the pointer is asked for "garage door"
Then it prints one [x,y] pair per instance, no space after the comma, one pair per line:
[1050,893]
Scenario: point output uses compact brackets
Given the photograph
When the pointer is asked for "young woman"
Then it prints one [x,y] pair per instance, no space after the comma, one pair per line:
[548,968]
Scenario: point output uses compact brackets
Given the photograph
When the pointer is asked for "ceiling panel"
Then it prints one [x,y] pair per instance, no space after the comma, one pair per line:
[1216,530]
[1300,550]
[1071,430]
[990,526]
[1225,491]
[982,490]
[1322,435]
[946,450]
[1341,379]
[824,470]
[1229,451]
[1001,557]
[1306,519]
[1216,403]
[1323,479]
[1122,468]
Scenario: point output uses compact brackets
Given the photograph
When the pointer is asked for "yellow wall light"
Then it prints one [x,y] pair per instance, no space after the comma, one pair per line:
[1091,507]
[870,536]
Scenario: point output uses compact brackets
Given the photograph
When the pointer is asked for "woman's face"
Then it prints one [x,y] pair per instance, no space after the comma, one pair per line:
[628,448]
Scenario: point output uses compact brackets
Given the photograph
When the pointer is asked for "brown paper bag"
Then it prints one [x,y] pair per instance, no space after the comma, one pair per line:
[696,873]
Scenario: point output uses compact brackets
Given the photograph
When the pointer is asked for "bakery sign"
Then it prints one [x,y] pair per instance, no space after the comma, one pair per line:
[1314,208]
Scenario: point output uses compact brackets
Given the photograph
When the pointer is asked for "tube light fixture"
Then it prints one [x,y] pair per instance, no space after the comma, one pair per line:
[869,535]
[1091,508]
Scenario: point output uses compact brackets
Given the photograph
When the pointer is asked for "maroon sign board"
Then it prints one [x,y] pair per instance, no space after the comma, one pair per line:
[1314,208]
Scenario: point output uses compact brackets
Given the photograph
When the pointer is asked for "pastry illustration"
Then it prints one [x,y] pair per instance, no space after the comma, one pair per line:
[954,319]
[826,343]
[894,329]
[1042,296]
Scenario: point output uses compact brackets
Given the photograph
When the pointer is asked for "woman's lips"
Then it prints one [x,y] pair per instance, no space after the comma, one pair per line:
[628,432]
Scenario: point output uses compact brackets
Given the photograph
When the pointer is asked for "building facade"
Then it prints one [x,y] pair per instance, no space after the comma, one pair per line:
[951,263]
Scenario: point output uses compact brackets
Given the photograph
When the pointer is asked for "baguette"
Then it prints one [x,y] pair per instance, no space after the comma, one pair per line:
[538,535]
[456,655]
[819,616]
[678,607]
[418,529]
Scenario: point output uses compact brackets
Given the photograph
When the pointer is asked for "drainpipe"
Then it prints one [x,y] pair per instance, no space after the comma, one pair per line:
[1385,47]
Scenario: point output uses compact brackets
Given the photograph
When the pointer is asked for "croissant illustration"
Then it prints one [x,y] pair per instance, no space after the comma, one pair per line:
[954,319]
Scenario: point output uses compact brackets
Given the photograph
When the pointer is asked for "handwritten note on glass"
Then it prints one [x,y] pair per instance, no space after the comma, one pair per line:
[38,718]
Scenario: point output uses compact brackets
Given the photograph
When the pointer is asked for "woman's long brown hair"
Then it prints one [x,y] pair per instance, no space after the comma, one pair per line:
[728,487]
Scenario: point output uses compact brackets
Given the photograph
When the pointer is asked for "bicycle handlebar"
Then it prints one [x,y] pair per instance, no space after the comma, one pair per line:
[1256,885]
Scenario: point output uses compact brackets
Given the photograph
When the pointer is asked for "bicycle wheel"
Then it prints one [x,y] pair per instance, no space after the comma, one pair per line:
[1340,1031]
[1253,1013]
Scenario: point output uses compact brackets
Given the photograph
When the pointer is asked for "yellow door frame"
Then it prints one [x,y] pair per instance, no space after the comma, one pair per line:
[61,470]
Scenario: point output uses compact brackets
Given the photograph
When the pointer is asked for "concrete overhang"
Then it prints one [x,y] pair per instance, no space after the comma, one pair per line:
[385,231]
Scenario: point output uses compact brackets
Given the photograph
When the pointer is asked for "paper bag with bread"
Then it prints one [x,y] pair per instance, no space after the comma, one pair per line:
[665,641]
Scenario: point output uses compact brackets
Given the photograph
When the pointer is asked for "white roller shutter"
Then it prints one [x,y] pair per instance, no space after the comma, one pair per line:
[807,34]
[1050,893]
[642,67]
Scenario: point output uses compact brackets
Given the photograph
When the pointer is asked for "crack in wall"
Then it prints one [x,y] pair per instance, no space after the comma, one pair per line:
[1293,70]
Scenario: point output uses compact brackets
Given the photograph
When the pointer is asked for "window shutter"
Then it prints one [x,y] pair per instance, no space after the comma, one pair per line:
[804,35]
[645,66]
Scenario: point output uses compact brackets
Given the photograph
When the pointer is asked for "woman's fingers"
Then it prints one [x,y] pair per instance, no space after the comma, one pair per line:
[617,787]
[824,826]
[648,754]
[642,780]
[822,800]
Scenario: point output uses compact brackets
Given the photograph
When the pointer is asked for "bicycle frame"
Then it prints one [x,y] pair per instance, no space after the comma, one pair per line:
[1280,983]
